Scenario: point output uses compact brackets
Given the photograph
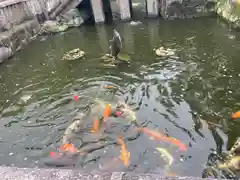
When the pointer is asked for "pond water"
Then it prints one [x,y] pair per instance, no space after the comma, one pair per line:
[176,96]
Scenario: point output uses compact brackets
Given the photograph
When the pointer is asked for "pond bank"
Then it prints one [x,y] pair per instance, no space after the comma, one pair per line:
[12,173]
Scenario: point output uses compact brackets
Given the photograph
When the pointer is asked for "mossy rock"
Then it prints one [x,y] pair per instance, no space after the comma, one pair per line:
[124,57]
[107,58]
[73,55]
[121,58]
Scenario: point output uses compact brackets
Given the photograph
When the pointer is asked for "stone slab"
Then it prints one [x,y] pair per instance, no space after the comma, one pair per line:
[19,35]
[14,173]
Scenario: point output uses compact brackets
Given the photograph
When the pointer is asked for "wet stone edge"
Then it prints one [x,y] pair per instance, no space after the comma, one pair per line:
[14,173]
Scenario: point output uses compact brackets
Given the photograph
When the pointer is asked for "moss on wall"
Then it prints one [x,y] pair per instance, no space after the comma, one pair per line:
[230,11]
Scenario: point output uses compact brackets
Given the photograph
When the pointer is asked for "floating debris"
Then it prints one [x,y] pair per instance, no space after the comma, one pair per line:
[164,52]
[135,23]
[73,55]
[24,99]
[75,98]
[134,4]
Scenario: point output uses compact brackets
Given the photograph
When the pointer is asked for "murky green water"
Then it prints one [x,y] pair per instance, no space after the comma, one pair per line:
[171,94]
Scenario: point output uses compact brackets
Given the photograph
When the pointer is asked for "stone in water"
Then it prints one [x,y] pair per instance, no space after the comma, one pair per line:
[73,55]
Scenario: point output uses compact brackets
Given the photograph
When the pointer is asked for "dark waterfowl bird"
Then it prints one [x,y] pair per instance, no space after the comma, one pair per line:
[116,44]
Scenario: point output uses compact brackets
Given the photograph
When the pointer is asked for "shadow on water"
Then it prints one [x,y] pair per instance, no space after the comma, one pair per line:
[177,96]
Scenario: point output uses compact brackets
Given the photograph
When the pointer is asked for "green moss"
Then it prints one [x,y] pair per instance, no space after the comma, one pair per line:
[237,10]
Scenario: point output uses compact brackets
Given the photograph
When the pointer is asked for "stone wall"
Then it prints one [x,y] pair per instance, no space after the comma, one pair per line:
[20,21]
[18,25]
[182,9]
[230,11]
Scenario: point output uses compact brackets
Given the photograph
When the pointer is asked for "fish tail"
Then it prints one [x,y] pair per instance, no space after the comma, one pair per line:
[177,143]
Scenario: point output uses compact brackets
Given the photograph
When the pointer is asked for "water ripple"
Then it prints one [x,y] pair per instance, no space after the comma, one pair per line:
[170,95]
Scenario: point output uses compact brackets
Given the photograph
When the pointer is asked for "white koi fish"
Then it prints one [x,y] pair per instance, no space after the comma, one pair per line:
[166,154]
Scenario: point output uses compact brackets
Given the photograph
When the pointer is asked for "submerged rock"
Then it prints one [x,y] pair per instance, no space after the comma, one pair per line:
[73,55]
[52,27]
[5,53]
[72,18]
[120,58]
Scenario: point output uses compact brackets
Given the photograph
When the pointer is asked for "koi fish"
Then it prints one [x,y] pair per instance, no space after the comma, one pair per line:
[68,148]
[109,87]
[166,154]
[95,127]
[107,112]
[158,136]
[236,115]
[124,154]
[127,111]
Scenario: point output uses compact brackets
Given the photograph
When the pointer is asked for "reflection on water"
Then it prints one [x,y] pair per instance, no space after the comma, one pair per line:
[176,96]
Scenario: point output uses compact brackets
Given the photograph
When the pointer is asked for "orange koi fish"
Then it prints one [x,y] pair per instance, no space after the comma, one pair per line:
[236,115]
[109,87]
[124,154]
[158,136]
[95,126]
[68,148]
[107,112]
